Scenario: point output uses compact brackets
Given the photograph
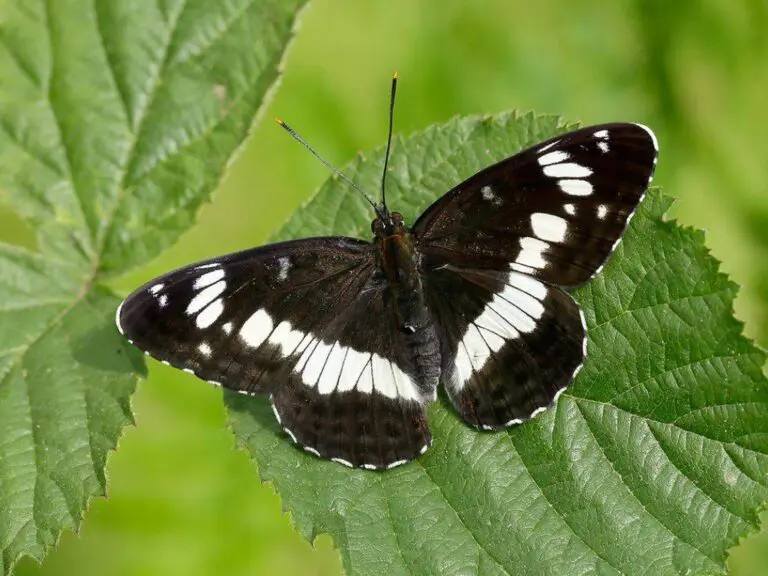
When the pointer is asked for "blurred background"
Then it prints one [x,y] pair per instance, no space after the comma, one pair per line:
[181,499]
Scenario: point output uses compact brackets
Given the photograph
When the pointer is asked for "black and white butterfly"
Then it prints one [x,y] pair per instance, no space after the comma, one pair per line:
[351,338]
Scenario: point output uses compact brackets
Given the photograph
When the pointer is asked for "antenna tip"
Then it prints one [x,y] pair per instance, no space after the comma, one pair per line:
[394,76]
[279,122]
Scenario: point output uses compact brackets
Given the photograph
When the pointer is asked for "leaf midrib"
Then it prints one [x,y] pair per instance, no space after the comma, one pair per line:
[130,156]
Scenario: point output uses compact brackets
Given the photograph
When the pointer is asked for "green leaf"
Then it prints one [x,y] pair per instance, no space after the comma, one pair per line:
[654,461]
[117,120]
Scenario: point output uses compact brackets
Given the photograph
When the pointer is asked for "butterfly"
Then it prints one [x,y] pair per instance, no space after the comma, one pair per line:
[351,338]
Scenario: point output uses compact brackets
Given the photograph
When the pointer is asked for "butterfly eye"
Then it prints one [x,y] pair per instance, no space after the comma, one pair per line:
[377,226]
[397,218]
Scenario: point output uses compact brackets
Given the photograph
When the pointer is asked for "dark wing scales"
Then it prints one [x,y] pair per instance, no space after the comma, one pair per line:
[555,211]
[352,428]
[510,343]
[293,320]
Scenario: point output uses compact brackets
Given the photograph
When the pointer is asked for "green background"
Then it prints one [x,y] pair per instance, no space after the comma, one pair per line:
[181,499]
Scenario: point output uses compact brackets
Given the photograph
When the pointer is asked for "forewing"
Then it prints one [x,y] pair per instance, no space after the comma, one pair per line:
[294,321]
[510,342]
[554,211]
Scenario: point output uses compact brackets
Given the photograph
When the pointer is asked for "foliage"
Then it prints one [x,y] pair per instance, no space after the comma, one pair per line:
[113,132]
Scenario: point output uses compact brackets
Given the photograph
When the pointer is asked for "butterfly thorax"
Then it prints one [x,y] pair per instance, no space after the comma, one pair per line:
[396,256]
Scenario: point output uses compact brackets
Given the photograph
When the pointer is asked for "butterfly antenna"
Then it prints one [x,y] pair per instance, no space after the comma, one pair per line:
[336,171]
[389,140]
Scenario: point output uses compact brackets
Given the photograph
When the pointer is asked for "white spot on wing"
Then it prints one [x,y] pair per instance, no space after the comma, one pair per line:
[342,462]
[537,412]
[286,338]
[489,195]
[519,307]
[383,378]
[575,187]
[602,210]
[306,354]
[553,158]
[285,267]
[549,227]
[274,410]
[491,320]
[522,268]
[530,285]
[332,369]
[156,288]
[162,300]
[210,314]
[227,328]
[604,147]
[550,145]
[117,318]
[314,366]
[204,349]
[353,367]
[601,134]
[532,253]
[570,209]
[208,278]
[256,329]
[567,170]
[387,376]
[365,383]
[205,297]
[464,367]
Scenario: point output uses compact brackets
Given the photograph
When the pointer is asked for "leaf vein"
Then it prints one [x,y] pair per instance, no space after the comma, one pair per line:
[143,114]
[219,33]
[723,506]
[111,65]
[629,488]
[56,113]
[480,546]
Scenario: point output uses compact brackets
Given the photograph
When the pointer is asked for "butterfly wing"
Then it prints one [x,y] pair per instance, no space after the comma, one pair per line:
[554,211]
[293,321]
[509,342]
[495,250]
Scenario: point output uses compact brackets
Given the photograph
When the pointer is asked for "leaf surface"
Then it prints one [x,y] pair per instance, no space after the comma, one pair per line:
[654,461]
[117,120]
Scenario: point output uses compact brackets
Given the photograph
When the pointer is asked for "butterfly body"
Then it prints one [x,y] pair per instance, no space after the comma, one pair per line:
[351,339]
[398,264]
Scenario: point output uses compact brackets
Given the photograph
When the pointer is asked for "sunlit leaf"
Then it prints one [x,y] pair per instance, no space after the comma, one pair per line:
[117,120]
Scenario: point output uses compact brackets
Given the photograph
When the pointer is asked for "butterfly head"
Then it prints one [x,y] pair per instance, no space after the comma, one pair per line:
[388,224]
